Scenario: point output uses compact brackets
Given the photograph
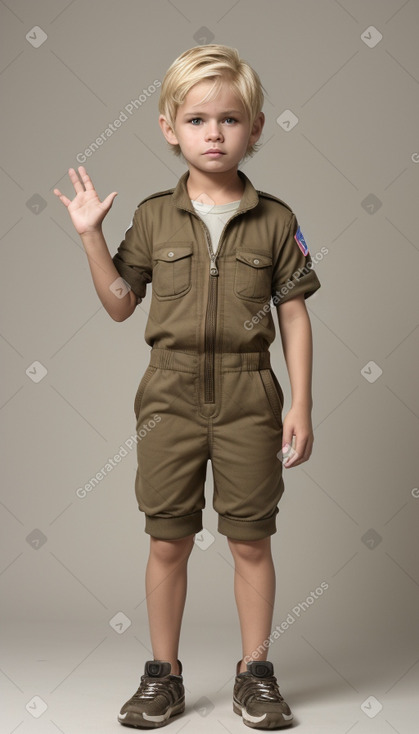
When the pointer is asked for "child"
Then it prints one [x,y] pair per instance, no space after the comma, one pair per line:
[216,251]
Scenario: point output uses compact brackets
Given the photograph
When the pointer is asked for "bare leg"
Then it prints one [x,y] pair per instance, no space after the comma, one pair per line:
[254,590]
[166,583]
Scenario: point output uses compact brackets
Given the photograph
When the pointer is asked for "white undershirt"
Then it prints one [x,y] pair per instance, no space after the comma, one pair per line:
[215,217]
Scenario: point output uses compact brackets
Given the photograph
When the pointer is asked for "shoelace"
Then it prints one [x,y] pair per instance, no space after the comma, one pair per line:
[265,689]
[150,687]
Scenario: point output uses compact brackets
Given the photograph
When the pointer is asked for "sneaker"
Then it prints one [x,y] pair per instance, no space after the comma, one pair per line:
[159,697]
[257,698]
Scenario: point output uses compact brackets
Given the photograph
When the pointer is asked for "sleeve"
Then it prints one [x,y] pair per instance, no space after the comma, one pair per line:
[133,259]
[293,272]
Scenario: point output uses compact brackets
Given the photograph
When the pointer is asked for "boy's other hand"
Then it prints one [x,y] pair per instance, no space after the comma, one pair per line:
[297,424]
[86,210]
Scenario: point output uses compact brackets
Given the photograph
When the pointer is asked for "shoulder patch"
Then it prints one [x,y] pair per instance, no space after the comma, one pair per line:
[302,244]
[168,192]
[274,198]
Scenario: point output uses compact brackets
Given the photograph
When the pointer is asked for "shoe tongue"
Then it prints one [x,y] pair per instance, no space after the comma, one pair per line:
[157,668]
[260,670]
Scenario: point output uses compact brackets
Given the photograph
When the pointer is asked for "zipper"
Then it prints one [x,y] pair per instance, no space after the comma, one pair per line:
[211,314]
[210,322]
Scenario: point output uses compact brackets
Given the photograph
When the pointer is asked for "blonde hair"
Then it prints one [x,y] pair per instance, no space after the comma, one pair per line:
[210,62]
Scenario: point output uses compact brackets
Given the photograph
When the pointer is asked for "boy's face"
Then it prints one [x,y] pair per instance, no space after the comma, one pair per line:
[220,124]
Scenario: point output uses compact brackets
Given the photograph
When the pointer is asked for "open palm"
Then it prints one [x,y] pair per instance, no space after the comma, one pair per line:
[86,210]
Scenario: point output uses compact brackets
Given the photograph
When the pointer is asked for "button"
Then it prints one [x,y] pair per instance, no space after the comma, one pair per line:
[170,254]
[256,261]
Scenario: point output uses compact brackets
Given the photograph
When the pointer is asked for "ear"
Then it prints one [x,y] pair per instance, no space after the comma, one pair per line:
[257,128]
[167,131]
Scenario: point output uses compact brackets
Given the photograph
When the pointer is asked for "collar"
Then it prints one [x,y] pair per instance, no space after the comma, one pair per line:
[249,198]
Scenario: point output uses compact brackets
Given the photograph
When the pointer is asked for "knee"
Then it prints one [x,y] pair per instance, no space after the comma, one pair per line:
[250,551]
[171,551]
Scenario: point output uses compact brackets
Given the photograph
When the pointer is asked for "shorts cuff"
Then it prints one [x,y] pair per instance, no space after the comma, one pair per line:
[173,528]
[247,529]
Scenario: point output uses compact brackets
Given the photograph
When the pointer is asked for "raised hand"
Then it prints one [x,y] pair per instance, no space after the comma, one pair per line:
[86,210]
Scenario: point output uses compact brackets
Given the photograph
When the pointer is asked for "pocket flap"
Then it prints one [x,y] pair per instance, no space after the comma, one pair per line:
[173,251]
[255,259]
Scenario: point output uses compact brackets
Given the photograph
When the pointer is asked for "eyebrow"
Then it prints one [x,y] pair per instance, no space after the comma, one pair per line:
[204,114]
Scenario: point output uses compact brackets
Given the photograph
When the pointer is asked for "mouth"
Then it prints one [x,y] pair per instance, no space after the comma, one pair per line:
[214,152]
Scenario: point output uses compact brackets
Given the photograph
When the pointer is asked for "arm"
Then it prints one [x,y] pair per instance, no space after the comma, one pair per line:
[296,336]
[104,273]
[87,213]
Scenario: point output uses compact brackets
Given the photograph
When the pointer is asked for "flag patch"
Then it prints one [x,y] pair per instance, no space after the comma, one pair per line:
[299,238]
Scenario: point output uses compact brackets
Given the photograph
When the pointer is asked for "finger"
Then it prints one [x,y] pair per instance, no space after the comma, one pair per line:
[78,186]
[289,451]
[286,441]
[61,196]
[300,445]
[293,460]
[86,178]
[303,451]
[107,203]
[287,435]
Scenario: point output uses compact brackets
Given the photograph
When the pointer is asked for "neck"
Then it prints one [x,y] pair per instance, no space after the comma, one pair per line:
[221,188]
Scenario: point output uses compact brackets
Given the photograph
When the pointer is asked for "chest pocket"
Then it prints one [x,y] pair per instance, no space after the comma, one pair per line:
[172,269]
[253,276]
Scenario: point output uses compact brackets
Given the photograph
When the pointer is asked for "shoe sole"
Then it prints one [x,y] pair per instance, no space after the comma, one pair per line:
[266,723]
[137,721]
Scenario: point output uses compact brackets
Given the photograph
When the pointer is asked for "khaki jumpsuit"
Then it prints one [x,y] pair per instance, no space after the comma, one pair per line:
[209,392]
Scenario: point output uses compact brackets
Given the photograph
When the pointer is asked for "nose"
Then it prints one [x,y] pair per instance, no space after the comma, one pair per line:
[213,131]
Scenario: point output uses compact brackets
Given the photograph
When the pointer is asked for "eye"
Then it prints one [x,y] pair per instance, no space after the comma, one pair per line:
[231,118]
[193,120]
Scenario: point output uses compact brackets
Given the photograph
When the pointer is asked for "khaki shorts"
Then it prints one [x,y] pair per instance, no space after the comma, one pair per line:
[240,433]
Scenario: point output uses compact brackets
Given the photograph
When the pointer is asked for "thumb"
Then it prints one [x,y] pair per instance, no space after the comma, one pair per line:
[107,203]
[287,437]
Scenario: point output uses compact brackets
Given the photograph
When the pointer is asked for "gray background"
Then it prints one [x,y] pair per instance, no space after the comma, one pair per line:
[349,516]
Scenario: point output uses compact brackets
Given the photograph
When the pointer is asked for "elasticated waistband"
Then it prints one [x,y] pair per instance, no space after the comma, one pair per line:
[168,359]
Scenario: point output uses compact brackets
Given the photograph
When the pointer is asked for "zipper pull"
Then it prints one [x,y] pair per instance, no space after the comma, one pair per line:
[213,267]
